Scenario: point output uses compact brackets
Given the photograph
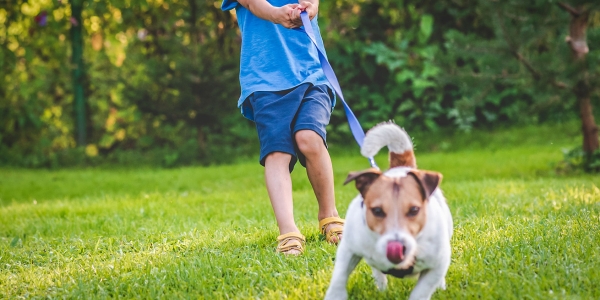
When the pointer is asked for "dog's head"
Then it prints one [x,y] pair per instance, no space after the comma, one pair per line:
[395,209]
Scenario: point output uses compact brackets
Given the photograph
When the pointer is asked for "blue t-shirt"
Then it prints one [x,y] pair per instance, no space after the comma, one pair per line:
[274,58]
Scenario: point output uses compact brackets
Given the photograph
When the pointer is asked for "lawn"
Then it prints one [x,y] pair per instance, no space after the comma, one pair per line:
[522,231]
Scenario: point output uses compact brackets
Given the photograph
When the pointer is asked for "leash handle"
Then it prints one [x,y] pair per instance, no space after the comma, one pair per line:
[355,128]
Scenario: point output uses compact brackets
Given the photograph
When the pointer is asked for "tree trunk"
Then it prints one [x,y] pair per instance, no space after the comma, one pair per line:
[579,48]
[78,71]
[590,130]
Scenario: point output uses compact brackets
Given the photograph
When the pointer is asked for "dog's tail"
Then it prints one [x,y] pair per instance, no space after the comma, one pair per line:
[399,144]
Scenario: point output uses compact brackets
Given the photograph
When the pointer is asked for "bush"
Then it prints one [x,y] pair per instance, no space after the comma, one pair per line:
[576,160]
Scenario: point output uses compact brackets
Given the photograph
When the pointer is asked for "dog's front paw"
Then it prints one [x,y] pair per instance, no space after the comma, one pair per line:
[380,279]
[336,294]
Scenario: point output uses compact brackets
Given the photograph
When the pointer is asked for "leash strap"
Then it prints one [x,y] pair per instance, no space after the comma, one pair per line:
[355,128]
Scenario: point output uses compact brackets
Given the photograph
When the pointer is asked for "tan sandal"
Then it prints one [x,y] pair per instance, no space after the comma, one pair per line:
[289,242]
[335,231]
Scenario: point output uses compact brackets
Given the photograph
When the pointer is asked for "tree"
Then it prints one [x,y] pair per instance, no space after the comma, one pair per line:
[78,70]
[577,40]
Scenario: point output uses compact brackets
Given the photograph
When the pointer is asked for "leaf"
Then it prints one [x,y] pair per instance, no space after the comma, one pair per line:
[419,86]
[431,125]
[406,105]
[405,75]
[106,141]
[429,70]
[426,27]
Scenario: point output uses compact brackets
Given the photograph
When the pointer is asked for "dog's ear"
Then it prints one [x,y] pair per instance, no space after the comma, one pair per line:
[363,179]
[428,181]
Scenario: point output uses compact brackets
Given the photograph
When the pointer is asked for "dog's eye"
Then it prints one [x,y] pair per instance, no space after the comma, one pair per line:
[378,212]
[413,211]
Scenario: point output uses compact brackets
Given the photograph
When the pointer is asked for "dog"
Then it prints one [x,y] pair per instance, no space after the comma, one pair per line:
[400,223]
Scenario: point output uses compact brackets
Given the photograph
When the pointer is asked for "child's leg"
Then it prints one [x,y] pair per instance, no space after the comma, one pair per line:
[279,187]
[319,171]
[273,114]
[310,133]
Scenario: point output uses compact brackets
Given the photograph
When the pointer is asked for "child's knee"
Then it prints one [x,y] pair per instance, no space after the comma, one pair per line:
[309,142]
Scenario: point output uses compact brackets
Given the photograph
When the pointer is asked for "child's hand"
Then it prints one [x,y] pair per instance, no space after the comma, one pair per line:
[288,16]
[310,8]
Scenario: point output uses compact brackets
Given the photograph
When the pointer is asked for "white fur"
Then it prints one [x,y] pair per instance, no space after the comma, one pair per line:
[386,134]
[430,250]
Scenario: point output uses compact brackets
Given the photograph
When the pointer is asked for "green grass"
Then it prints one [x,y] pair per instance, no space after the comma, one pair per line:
[521,231]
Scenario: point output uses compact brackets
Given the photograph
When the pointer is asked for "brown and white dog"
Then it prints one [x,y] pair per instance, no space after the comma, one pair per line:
[399,223]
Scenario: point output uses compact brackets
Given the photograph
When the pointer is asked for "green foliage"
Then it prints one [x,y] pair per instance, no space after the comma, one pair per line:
[387,64]
[431,64]
[158,74]
[494,85]
[161,83]
[576,160]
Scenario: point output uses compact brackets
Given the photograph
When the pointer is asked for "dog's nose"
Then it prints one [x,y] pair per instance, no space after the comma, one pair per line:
[395,252]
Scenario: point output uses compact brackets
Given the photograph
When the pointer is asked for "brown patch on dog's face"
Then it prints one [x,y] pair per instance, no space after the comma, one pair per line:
[396,203]
[406,159]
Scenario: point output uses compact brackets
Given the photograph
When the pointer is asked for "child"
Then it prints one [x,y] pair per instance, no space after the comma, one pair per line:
[285,92]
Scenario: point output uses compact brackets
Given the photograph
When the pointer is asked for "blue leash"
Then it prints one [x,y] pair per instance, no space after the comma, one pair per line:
[355,128]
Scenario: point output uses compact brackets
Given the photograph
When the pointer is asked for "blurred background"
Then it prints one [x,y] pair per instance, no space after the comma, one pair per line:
[155,82]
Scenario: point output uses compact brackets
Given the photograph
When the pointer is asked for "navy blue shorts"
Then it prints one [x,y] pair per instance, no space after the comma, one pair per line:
[279,115]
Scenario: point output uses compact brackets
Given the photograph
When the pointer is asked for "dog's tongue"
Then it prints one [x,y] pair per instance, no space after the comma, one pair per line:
[395,252]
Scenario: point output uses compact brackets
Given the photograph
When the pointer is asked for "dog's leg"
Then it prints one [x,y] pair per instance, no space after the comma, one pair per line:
[380,279]
[345,262]
[428,282]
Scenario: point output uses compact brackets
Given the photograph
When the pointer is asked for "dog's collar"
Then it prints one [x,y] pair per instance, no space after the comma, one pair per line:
[400,273]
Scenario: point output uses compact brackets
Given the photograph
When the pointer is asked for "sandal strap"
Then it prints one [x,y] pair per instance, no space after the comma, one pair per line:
[296,235]
[291,241]
[331,220]
[335,231]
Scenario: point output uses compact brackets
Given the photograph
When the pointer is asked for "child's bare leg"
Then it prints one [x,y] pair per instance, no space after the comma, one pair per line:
[319,171]
[279,187]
